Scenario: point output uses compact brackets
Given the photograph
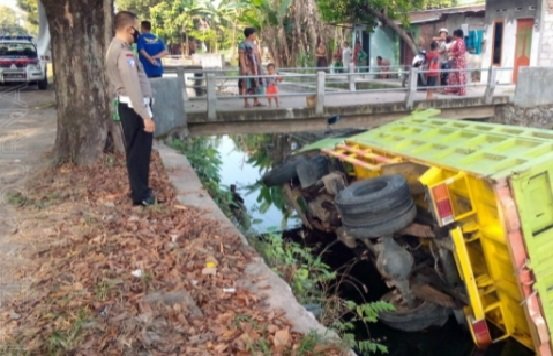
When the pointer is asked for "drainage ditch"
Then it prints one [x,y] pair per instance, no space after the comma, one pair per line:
[231,167]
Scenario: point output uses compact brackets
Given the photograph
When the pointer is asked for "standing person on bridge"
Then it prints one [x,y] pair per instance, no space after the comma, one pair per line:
[346,57]
[444,55]
[433,73]
[458,79]
[272,84]
[150,49]
[383,67]
[249,61]
[133,99]
[321,55]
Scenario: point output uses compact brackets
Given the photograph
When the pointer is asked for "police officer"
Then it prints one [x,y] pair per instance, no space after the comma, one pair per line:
[133,91]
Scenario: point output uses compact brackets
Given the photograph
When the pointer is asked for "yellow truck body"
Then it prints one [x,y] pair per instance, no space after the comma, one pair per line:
[492,185]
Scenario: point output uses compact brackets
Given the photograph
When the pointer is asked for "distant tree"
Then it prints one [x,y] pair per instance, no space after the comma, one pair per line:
[31,7]
[370,12]
[140,7]
[7,17]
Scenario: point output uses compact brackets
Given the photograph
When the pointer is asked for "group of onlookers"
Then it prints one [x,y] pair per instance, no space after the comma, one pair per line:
[444,66]
[445,63]
[257,83]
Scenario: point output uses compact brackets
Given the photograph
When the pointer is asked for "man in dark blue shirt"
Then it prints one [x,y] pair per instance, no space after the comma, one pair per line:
[150,49]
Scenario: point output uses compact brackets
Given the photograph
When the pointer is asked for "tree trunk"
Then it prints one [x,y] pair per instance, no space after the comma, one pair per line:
[394,26]
[81,31]
[312,16]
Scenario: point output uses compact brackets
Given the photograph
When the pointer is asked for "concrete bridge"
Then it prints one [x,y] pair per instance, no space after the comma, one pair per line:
[211,103]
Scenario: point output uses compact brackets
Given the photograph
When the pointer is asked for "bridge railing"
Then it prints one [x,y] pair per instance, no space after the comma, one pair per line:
[317,86]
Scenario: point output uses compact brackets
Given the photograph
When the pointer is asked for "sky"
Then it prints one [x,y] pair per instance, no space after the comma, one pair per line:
[8,3]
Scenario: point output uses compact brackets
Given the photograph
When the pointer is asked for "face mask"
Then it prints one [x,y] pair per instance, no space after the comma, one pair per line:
[135,35]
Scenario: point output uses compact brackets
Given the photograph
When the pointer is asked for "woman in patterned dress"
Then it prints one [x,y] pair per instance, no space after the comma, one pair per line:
[458,78]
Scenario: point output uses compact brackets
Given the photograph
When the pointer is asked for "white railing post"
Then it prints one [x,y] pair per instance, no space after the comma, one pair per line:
[490,87]
[320,97]
[412,89]
[351,77]
[211,97]
[182,81]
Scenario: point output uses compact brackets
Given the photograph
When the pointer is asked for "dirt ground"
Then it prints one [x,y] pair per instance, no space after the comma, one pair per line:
[86,273]
[27,133]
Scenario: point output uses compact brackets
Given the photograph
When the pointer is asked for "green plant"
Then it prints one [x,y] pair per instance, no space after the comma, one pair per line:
[308,343]
[306,59]
[261,346]
[102,290]
[206,161]
[18,199]
[62,341]
[313,281]
[363,314]
[304,272]
[13,350]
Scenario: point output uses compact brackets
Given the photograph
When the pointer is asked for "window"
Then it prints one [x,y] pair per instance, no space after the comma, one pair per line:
[18,49]
[497,42]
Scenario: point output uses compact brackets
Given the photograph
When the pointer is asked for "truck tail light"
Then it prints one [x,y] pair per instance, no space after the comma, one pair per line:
[442,202]
[481,333]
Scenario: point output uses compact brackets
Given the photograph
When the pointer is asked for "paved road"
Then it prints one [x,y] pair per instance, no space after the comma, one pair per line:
[27,133]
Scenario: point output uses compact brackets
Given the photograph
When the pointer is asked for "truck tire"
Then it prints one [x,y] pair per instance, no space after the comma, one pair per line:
[373,195]
[389,225]
[43,84]
[284,173]
[310,171]
[419,318]
[383,217]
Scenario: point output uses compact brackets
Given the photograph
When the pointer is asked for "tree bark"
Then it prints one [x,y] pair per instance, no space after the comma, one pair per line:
[394,26]
[81,31]
[312,16]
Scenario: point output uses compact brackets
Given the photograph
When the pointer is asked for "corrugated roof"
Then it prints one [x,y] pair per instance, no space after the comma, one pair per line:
[436,14]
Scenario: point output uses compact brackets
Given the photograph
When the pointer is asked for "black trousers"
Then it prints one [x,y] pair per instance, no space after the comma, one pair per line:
[138,147]
[444,76]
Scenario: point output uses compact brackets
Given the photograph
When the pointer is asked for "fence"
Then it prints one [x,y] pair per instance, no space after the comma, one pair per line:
[217,85]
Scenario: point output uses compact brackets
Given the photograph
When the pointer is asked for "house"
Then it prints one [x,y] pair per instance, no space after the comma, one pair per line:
[383,41]
[518,33]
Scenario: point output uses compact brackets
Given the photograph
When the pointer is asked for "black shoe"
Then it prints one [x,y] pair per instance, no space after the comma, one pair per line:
[151,200]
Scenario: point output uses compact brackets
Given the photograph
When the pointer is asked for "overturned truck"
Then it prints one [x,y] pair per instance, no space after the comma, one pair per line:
[457,217]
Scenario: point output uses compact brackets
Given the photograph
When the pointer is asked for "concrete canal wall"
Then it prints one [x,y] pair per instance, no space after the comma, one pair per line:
[533,101]
[259,278]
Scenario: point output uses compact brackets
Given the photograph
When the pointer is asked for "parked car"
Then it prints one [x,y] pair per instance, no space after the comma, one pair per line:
[20,63]
[457,216]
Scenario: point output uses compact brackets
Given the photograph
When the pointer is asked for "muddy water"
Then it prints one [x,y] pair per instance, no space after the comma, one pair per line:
[245,158]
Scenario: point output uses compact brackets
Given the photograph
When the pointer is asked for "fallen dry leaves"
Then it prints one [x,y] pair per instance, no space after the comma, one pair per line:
[115,279]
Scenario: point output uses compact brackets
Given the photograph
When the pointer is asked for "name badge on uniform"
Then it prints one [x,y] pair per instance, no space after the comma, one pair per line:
[130,60]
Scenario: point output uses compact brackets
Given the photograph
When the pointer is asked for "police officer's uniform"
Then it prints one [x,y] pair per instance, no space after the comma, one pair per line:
[134,93]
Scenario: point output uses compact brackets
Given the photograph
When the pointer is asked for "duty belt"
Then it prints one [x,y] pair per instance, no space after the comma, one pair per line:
[126,100]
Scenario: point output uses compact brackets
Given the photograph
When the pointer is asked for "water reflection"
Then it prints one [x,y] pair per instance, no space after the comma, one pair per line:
[244,159]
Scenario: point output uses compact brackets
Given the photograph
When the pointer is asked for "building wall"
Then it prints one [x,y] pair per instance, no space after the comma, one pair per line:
[545,42]
[384,42]
[509,11]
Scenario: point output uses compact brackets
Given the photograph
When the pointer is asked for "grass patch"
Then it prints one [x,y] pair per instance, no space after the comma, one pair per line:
[60,342]
[20,200]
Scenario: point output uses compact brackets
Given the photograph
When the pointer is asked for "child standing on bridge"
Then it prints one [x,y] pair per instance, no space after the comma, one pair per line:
[272,84]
